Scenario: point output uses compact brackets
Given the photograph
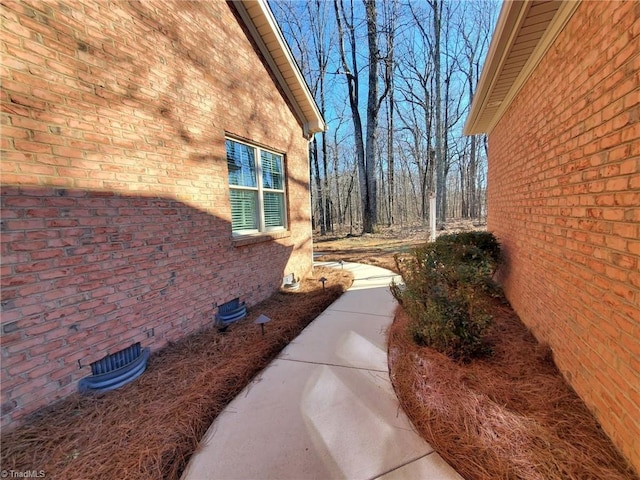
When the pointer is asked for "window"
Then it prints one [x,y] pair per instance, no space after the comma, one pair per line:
[256,183]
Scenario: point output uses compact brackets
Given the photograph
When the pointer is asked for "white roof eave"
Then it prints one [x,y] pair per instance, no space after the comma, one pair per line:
[265,31]
[487,108]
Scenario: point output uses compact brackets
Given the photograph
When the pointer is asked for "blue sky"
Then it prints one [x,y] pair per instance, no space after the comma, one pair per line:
[297,26]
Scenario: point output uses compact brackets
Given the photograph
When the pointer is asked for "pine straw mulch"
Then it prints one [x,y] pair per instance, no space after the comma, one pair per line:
[149,428]
[506,416]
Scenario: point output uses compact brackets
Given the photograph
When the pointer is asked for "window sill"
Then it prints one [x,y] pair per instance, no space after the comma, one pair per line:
[252,239]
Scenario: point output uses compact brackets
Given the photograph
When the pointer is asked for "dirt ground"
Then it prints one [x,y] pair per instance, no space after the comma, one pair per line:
[379,248]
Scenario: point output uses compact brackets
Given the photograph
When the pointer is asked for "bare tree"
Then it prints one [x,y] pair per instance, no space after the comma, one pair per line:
[390,15]
[308,26]
[366,154]
[369,200]
[453,97]
[321,41]
[350,71]
[401,138]
[416,75]
[436,7]
[475,35]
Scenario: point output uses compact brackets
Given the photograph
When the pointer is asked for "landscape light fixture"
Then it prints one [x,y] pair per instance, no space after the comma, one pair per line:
[323,279]
[261,320]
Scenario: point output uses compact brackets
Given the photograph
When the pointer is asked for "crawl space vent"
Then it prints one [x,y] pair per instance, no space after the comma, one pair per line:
[116,370]
[231,311]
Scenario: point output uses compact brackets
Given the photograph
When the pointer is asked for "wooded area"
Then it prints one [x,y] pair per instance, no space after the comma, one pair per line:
[394,81]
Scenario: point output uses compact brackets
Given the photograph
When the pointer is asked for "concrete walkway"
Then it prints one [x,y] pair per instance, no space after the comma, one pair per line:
[325,408]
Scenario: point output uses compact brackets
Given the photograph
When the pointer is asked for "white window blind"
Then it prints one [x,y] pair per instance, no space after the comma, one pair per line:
[256,183]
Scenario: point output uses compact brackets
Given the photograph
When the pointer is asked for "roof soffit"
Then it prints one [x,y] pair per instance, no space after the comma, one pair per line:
[525,31]
[264,29]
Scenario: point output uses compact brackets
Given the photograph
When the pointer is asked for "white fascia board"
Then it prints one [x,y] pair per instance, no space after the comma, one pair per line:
[294,86]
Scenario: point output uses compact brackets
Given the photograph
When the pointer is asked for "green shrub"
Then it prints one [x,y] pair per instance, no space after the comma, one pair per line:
[445,289]
[471,243]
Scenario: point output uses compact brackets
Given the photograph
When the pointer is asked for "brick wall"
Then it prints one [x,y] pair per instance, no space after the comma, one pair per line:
[564,199]
[115,207]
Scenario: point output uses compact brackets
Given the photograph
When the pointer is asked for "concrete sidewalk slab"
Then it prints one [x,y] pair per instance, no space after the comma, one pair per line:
[325,408]
[342,338]
[365,276]
[431,466]
[376,301]
[309,421]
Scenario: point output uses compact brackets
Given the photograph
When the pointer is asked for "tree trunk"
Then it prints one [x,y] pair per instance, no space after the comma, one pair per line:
[472,179]
[369,196]
[325,185]
[319,200]
[390,193]
[441,205]
[351,73]
[390,19]
[336,157]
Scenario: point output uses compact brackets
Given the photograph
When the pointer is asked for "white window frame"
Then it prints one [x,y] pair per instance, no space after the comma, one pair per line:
[260,189]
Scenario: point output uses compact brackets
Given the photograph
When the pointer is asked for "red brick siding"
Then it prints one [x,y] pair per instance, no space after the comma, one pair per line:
[564,199]
[115,204]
